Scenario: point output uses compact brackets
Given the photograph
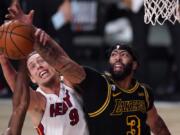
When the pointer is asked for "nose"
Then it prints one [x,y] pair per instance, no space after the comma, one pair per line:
[118,57]
[38,66]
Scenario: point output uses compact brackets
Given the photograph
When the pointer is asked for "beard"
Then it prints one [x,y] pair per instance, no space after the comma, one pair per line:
[120,75]
[50,82]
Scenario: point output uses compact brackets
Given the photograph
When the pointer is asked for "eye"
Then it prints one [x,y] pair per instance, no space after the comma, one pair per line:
[125,54]
[32,65]
[40,61]
[113,53]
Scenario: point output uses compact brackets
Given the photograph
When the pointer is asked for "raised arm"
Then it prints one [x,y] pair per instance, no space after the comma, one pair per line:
[52,52]
[156,123]
[49,49]
[8,71]
[16,13]
[21,99]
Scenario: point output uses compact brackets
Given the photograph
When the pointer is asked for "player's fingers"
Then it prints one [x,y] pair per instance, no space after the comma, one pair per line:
[12,11]
[17,6]
[42,37]
[7,20]
[9,16]
[39,35]
[37,32]
[46,38]
[36,35]
[13,6]
[31,14]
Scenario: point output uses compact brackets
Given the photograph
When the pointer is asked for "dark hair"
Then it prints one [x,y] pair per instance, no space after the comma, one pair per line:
[126,47]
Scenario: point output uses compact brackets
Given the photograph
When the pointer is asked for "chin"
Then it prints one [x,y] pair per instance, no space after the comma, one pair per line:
[118,76]
[49,80]
[117,71]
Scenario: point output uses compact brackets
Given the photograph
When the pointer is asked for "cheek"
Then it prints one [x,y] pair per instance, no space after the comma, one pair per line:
[111,60]
[33,79]
[33,74]
[127,61]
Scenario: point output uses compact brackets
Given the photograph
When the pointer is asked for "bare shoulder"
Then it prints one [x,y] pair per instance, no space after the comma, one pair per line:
[36,107]
[37,101]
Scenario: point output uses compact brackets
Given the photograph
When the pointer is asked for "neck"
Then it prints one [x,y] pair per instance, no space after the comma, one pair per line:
[125,83]
[51,89]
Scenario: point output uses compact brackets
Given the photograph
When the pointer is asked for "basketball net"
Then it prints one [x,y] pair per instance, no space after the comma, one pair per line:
[159,11]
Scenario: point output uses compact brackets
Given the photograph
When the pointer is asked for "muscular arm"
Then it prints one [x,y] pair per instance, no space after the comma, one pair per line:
[8,71]
[52,52]
[20,102]
[156,123]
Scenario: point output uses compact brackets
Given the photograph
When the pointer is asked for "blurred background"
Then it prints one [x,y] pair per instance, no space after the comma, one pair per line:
[87,28]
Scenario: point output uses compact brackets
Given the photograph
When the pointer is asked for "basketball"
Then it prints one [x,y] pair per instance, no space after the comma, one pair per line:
[16,39]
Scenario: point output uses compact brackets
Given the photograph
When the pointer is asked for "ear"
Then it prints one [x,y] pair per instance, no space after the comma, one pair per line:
[135,65]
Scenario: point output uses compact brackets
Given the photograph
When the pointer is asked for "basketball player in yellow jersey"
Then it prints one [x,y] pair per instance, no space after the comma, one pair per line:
[20,102]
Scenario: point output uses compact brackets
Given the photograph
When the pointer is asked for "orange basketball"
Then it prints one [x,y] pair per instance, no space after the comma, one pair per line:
[16,39]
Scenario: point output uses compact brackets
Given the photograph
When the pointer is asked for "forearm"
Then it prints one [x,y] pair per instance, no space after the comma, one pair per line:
[16,121]
[9,74]
[20,100]
[56,57]
[53,54]
[21,95]
[159,127]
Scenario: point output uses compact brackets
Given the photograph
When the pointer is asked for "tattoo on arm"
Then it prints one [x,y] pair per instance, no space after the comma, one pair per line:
[51,48]
[64,65]
[53,53]
[160,127]
[48,51]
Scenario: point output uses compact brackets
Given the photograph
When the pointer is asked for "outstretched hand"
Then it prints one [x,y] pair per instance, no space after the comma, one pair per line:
[16,13]
[41,37]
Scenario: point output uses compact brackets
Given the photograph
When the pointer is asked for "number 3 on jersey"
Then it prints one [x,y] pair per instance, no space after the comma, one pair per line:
[133,122]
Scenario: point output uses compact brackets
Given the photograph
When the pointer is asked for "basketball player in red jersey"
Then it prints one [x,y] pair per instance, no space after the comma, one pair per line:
[55,108]
[115,103]
[20,102]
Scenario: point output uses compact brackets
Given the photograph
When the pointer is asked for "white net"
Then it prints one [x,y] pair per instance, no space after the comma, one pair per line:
[159,11]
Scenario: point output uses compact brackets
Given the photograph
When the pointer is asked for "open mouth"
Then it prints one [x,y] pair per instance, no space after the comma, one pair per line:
[118,66]
[43,74]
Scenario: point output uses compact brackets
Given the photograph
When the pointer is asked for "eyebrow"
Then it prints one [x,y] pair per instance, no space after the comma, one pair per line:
[121,51]
[30,63]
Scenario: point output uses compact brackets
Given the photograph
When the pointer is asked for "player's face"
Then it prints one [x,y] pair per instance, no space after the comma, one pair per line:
[40,71]
[121,64]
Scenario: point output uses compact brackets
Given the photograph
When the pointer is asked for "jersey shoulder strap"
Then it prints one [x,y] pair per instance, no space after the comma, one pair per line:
[106,102]
[148,96]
